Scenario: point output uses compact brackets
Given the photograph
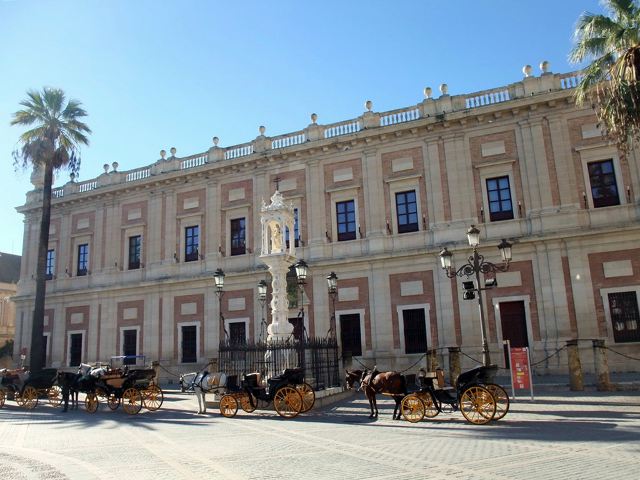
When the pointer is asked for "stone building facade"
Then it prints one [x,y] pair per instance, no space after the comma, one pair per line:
[132,253]
[9,276]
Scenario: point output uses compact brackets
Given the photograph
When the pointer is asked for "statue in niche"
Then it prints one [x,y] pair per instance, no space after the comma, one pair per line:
[276,238]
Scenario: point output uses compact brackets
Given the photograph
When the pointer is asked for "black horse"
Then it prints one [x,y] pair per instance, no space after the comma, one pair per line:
[68,382]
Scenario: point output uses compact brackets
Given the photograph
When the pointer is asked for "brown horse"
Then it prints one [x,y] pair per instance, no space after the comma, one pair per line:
[374,382]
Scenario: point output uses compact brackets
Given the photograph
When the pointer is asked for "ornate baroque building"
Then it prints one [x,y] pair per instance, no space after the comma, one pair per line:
[9,275]
[132,253]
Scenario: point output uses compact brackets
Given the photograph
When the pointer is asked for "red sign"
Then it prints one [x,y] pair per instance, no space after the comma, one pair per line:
[520,371]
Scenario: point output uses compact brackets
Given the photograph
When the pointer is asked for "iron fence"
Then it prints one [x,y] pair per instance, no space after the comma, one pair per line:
[317,356]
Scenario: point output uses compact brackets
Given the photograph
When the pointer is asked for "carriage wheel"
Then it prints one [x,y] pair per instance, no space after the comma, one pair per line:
[308,396]
[430,407]
[132,401]
[152,398]
[54,394]
[29,397]
[91,402]
[113,402]
[2,398]
[412,408]
[288,402]
[477,405]
[228,406]
[502,399]
[18,399]
[245,403]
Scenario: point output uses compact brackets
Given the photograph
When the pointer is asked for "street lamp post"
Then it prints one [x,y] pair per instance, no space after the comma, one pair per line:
[218,277]
[475,266]
[262,298]
[302,269]
[332,284]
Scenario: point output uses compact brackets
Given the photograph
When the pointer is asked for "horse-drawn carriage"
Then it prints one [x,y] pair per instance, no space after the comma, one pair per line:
[288,392]
[27,387]
[475,395]
[124,381]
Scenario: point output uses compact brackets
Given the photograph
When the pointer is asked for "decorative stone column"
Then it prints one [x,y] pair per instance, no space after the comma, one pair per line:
[603,381]
[575,368]
[454,364]
[275,219]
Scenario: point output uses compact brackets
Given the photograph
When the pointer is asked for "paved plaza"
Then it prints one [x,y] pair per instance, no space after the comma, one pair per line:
[559,435]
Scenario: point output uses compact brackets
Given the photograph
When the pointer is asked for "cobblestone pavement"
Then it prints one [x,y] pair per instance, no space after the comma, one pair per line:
[560,435]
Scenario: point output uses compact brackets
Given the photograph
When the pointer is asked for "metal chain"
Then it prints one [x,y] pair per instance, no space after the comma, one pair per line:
[548,357]
[622,354]
[416,362]
[477,361]
[354,358]
[170,373]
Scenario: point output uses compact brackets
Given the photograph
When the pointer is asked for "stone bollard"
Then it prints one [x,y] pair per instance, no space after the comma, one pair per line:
[454,364]
[156,367]
[432,360]
[603,382]
[576,383]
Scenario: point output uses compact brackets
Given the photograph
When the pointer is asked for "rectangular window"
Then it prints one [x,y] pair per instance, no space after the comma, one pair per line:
[237,333]
[83,259]
[407,211]
[346,220]
[624,316]
[51,264]
[191,243]
[238,236]
[135,243]
[75,349]
[499,193]
[189,345]
[415,331]
[604,189]
[296,230]
[129,345]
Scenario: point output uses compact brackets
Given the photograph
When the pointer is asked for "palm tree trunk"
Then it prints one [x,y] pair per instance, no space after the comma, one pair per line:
[37,359]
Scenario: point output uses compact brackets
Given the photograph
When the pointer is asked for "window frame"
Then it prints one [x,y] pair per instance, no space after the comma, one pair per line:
[82,259]
[595,200]
[347,236]
[82,350]
[594,154]
[50,267]
[180,352]
[191,254]
[604,295]
[426,307]
[363,332]
[135,328]
[237,251]
[408,227]
[501,215]
[130,265]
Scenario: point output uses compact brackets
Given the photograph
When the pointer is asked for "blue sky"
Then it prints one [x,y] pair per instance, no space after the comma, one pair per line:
[155,74]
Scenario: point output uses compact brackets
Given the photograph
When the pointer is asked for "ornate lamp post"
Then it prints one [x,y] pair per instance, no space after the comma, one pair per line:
[262,298]
[476,265]
[332,284]
[302,269]
[218,278]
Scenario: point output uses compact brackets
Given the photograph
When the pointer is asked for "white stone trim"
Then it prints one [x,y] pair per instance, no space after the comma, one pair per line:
[363,333]
[137,329]
[343,196]
[198,353]
[82,352]
[404,185]
[496,310]
[599,154]
[426,307]
[245,320]
[604,295]
[494,171]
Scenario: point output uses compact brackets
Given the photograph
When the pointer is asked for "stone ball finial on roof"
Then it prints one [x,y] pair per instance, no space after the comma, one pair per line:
[427,92]
[544,66]
[115,166]
[106,167]
[163,153]
[368,105]
[72,176]
[262,129]
[215,141]
[314,118]
[173,151]
[444,89]
[526,70]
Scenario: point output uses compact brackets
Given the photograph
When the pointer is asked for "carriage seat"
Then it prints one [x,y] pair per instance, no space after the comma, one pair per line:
[293,375]
[253,379]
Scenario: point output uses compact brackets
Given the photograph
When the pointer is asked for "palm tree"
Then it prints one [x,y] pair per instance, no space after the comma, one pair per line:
[611,80]
[51,144]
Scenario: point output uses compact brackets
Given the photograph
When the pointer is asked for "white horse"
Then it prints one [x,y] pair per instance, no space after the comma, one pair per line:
[206,382]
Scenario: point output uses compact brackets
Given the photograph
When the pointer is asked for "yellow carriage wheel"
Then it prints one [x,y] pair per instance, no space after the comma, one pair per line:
[430,408]
[152,398]
[131,401]
[228,406]
[245,403]
[287,402]
[91,402]
[54,395]
[18,399]
[2,398]
[308,396]
[502,399]
[412,408]
[477,405]
[29,397]
[113,402]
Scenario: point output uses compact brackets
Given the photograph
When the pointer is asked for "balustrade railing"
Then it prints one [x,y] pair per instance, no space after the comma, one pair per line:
[399,116]
[342,128]
[194,161]
[238,151]
[87,186]
[138,174]
[288,140]
[57,192]
[570,80]
[487,97]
